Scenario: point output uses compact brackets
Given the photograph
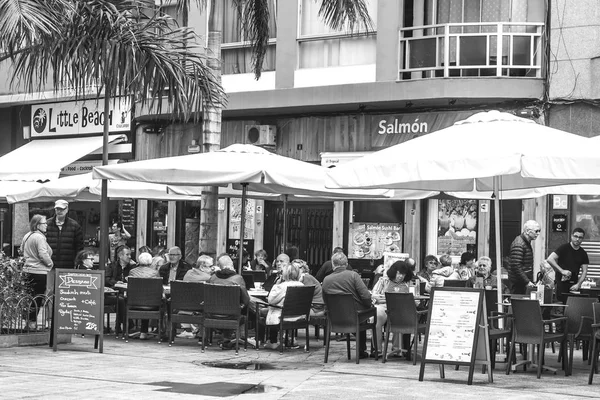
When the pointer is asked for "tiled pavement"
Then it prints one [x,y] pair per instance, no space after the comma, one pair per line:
[148,370]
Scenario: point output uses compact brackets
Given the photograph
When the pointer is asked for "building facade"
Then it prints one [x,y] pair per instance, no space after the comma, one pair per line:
[327,96]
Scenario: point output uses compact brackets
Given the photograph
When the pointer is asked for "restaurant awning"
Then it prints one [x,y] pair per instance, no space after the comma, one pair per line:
[42,159]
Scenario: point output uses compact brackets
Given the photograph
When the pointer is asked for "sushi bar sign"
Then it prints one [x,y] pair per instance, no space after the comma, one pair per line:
[77,118]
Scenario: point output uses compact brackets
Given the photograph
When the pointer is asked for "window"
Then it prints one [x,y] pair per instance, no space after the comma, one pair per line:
[321,46]
[235,51]
[587,216]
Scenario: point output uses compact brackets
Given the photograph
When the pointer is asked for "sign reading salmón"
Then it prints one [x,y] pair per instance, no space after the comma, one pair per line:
[77,118]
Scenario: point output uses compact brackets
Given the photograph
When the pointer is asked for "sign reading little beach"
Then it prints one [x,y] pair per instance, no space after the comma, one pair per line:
[79,303]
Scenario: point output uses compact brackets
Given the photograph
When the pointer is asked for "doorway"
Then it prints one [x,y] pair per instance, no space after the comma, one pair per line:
[510,217]
[309,226]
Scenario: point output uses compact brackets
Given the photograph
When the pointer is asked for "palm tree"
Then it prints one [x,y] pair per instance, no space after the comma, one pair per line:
[254,17]
[118,48]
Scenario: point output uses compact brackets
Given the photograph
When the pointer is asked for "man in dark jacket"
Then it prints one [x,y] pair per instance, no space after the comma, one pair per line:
[176,269]
[64,236]
[343,281]
[520,268]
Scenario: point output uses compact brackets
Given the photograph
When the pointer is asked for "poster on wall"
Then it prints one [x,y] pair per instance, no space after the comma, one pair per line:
[235,218]
[457,226]
[369,240]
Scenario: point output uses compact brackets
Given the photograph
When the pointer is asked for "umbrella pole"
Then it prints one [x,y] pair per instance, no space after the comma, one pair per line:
[242,228]
[285,230]
[497,244]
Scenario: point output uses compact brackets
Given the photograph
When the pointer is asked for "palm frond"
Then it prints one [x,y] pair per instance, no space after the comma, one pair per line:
[255,27]
[23,21]
[124,49]
[346,14]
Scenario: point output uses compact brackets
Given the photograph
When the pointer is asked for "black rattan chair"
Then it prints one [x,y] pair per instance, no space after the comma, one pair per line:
[530,328]
[580,316]
[343,317]
[295,312]
[403,319]
[186,305]
[222,310]
[595,342]
[145,301]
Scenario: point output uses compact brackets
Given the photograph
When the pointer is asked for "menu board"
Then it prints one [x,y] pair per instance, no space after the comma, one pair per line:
[127,213]
[79,302]
[453,335]
[452,326]
[369,240]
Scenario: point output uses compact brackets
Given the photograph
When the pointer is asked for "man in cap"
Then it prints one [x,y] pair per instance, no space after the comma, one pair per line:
[64,236]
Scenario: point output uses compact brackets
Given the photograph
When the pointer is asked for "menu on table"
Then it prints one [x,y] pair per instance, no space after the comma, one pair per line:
[452,327]
[79,301]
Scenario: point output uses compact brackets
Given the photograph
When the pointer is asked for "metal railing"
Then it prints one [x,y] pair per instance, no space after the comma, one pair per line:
[16,314]
[471,50]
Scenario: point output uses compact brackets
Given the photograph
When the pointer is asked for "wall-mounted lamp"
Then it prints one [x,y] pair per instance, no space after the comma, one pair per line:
[26,132]
[452,102]
[409,104]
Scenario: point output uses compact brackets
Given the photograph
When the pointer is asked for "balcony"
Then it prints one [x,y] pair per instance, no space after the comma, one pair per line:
[471,50]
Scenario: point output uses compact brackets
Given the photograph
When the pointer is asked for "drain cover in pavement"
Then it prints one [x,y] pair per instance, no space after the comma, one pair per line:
[215,389]
[238,365]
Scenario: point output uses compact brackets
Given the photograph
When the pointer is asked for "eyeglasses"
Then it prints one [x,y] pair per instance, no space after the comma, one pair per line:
[43,223]
[536,230]
[174,254]
[89,258]
[578,237]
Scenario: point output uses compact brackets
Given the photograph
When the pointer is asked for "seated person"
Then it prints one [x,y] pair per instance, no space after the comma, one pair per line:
[290,277]
[445,271]
[144,270]
[85,260]
[318,305]
[119,269]
[227,276]
[466,267]
[425,274]
[275,274]
[395,279]
[201,271]
[116,273]
[260,261]
[176,269]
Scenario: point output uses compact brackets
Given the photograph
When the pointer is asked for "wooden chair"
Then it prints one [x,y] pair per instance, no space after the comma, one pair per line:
[222,310]
[403,319]
[343,317]
[295,313]
[580,315]
[530,328]
[595,342]
[145,301]
[186,305]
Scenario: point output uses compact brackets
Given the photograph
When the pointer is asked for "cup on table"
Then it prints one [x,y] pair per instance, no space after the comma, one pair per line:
[257,285]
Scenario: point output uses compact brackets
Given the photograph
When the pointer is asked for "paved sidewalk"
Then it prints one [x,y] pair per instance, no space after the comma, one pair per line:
[145,369]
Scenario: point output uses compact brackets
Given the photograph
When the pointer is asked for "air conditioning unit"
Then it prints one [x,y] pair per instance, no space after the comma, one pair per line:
[261,135]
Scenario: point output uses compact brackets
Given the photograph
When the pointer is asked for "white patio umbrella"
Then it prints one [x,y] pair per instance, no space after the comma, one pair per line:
[490,151]
[10,187]
[83,187]
[251,167]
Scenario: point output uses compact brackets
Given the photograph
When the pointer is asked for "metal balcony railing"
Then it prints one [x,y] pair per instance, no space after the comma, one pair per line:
[471,50]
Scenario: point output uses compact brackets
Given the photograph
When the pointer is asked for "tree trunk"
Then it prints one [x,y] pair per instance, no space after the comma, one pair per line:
[211,133]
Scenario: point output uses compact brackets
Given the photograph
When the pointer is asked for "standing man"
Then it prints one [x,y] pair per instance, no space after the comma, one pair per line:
[520,268]
[176,269]
[343,281]
[567,261]
[64,236]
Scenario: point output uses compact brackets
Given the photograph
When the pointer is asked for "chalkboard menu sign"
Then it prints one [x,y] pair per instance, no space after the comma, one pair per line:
[79,303]
[127,213]
[453,334]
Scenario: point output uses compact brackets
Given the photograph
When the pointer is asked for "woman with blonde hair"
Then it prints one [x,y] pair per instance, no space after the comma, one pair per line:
[38,260]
